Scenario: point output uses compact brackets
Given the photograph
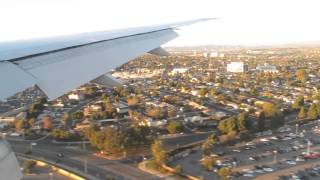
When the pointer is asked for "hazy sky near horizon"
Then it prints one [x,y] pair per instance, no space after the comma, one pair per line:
[245,22]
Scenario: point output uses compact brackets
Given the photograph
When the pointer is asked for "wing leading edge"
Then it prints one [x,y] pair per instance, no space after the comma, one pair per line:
[57,66]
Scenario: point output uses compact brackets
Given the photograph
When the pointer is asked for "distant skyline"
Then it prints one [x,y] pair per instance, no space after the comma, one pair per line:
[242,22]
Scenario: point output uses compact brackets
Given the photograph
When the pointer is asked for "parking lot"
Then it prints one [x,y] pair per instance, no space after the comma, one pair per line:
[279,152]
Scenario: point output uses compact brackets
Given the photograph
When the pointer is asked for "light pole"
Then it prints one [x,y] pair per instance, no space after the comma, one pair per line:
[85,165]
[51,175]
[84,144]
[275,156]
[308,147]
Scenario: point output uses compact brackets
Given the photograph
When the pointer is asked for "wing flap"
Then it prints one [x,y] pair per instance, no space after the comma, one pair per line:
[108,80]
[159,52]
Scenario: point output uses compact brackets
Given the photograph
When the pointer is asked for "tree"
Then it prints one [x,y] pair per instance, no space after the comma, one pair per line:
[270,110]
[158,153]
[60,134]
[31,122]
[77,115]
[112,140]
[19,124]
[28,165]
[312,112]
[208,163]
[261,122]
[223,126]
[174,127]
[318,108]
[133,101]
[208,144]
[203,92]
[298,103]
[224,172]
[242,121]
[154,112]
[137,135]
[302,113]
[178,169]
[231,125]
[301,75]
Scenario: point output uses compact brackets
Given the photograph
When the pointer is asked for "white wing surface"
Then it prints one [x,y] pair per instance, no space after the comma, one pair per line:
[60,64]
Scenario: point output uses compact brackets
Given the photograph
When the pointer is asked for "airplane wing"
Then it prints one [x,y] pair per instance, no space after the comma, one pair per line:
[59,64]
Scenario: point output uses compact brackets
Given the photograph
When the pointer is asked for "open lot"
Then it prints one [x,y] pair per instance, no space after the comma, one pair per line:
[268,156]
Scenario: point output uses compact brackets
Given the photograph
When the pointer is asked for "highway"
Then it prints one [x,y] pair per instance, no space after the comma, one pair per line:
[75,158]
[101,168]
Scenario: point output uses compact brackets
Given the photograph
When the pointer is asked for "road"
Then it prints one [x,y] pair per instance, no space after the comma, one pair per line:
[75,157]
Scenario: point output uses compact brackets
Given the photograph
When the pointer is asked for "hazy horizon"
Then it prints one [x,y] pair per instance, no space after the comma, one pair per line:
[245,22]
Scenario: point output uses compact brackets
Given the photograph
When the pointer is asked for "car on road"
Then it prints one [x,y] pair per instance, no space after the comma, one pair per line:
[236,150]
[267,169]
[248,175]
[60,155]
[14,134]
[300,159]
[290,162]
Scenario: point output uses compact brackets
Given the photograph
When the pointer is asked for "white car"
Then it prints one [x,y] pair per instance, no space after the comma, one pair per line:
[291,162]
[236,150]
[300,159]
[264,140]
[15,134]
[250,144]
[274,138]
[248,175]
[268,169]
[259,171]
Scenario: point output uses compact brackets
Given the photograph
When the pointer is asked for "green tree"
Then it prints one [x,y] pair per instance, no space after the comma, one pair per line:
[178,169]
[77,115]
[158,153]
[60,134]
[28,165]
[231,125]
[302,113]
[224,172]
[270,110]
[318,108]
[312,112]
[174,127]
[112,140]
[203,92]
[298,103]
[242,121]
[208,163]
[223,126]
[208,144]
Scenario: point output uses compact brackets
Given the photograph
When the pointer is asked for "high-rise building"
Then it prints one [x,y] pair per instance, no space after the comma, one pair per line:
[236,67]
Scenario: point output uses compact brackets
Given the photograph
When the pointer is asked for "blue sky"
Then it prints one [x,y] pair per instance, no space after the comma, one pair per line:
[251,22]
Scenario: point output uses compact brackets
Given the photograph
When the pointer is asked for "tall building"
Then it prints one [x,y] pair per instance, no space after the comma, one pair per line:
[236,67]
[267,68]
